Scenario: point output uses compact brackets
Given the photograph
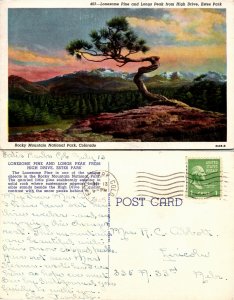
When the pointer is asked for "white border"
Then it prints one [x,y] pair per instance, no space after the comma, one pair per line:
[4,144]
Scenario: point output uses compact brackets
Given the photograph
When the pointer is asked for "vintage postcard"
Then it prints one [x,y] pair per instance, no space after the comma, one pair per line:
[154,75]
[116,225]
[85,86]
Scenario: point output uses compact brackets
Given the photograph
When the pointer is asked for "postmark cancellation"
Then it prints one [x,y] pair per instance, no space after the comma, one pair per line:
[99,186]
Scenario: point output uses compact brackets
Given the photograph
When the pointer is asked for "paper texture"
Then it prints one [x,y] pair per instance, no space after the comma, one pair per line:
[106,194]
[117,225]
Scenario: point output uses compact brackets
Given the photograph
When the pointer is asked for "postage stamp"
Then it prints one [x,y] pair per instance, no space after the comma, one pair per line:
[99,186]
[203,178]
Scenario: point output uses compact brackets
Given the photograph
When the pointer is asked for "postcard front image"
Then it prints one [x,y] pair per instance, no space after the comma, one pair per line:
[118,77]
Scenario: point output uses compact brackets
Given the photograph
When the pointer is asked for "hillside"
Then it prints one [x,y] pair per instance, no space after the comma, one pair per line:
[105,80]
[20,86]
[88,83]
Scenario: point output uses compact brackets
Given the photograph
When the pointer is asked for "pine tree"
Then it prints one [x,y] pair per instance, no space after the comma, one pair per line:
[117,41]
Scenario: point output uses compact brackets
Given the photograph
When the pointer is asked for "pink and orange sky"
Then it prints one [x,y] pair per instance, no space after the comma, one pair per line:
[192,40]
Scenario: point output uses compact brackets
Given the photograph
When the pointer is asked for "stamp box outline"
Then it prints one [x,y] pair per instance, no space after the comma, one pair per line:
[219,196]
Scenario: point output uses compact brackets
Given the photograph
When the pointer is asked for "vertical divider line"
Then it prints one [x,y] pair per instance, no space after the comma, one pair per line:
[108,216]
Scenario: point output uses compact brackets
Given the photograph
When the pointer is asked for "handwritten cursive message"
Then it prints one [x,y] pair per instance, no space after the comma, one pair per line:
[63,237]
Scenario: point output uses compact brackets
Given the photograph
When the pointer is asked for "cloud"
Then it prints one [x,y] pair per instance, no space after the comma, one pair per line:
[34,67]
[179,30]
[185,25]
[28,57]
[33,73]
[196,58]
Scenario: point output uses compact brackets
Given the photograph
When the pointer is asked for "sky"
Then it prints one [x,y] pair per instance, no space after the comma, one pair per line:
[192,40]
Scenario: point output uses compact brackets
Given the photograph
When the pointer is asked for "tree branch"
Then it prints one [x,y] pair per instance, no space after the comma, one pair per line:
[82,53]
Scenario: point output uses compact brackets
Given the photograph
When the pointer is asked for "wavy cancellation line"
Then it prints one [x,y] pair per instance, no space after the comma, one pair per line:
[146,193]
[211,179]
[155,175]
[161,180]
[153,185]
[208,195]
[158,189]
[160,184]
[213,174]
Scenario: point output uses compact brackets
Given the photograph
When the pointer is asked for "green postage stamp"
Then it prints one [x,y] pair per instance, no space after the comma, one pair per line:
[203,177]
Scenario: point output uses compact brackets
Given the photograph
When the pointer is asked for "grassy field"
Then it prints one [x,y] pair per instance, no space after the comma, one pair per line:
[62,124]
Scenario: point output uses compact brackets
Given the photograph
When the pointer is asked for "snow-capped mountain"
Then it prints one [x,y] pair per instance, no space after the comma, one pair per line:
[209,76]
[178,75]
[109,73]
[212,76]
[101,73]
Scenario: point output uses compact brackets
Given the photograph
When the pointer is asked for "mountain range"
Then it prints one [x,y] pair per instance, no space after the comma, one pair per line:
[101,80]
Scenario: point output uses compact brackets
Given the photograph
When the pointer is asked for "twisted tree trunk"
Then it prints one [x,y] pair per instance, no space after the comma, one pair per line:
[155,98]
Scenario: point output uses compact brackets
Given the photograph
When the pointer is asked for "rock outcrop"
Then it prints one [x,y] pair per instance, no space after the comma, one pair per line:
[157,124]
[144,124]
